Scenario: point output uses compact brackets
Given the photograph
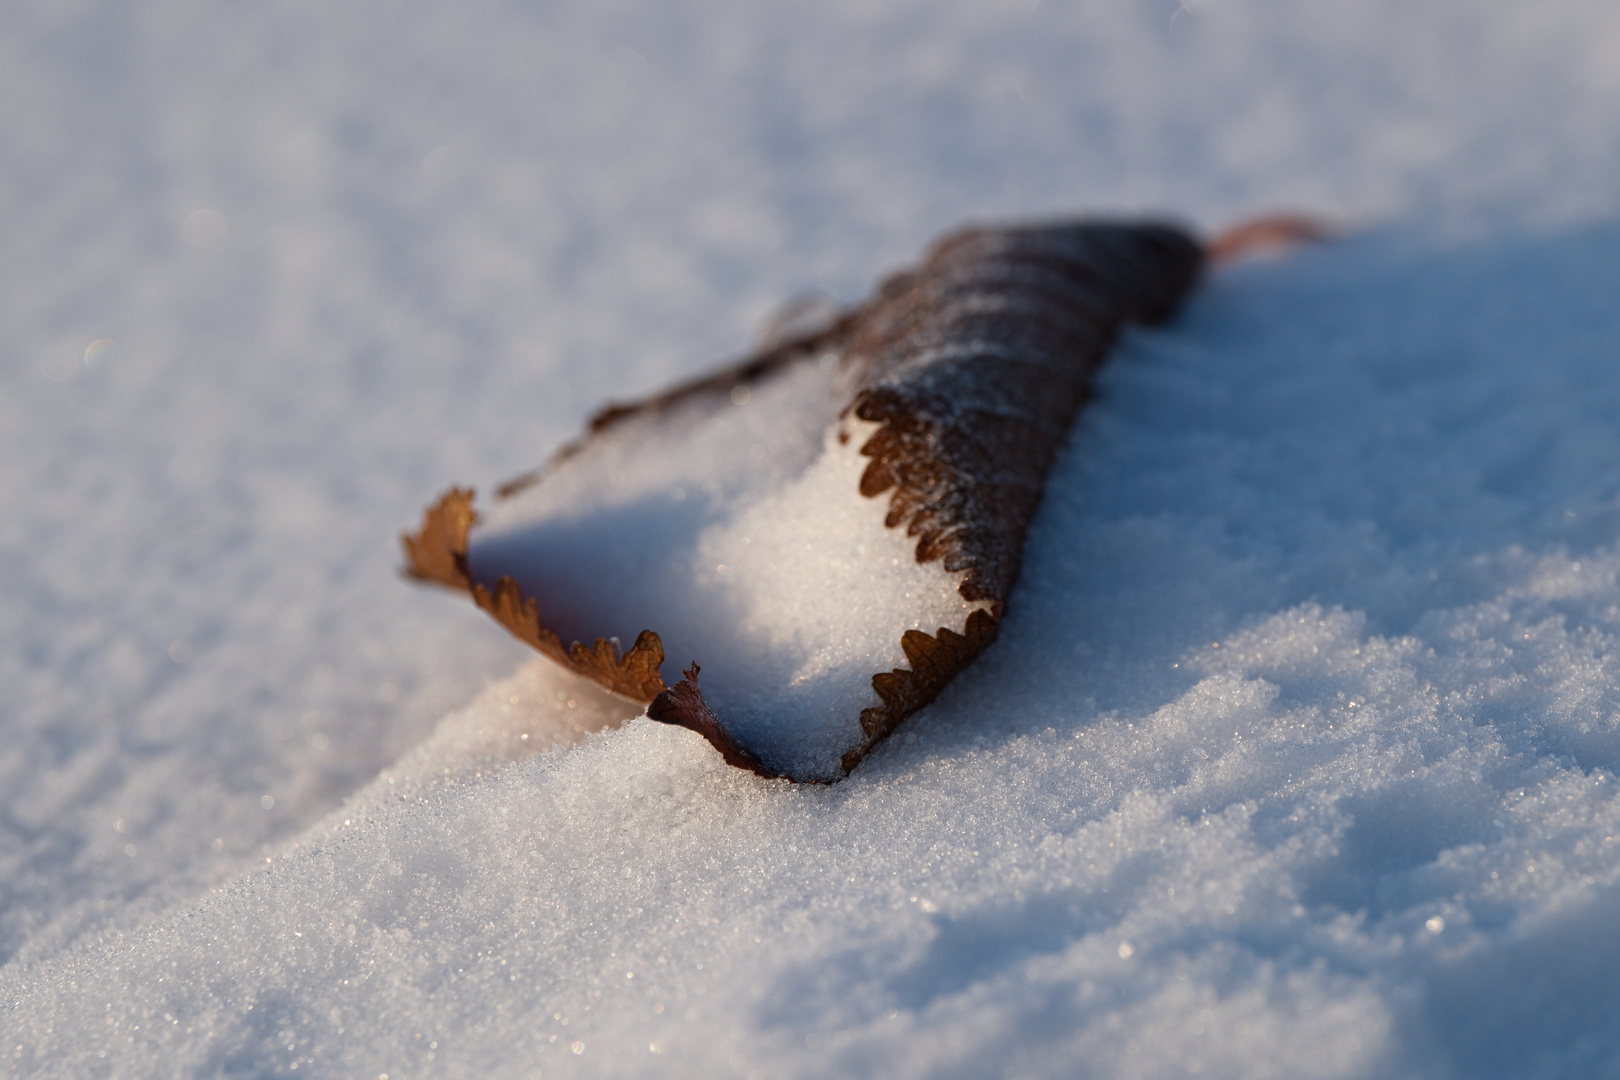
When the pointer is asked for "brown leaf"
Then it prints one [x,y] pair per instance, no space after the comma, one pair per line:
[683,705]
[973,366]
[437,551]
[935,660]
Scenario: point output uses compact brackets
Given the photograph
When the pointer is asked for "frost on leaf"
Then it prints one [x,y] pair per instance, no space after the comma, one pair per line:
[834,525]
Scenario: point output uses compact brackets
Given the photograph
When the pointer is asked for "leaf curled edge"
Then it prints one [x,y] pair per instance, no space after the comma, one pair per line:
[935,659]
[438,552]
[972,366]
[683,706]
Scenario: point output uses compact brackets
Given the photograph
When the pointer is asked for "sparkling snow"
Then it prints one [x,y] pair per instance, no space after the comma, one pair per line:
[1297,756]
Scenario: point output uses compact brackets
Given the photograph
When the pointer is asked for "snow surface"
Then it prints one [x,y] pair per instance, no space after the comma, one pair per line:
[1297,755]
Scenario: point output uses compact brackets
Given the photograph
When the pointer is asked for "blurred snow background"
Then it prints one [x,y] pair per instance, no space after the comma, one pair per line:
[1297,756]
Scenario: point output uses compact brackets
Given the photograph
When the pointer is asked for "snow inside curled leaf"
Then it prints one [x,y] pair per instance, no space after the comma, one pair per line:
[733,526]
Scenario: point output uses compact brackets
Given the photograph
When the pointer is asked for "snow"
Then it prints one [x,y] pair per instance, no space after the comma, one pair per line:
[1297,753]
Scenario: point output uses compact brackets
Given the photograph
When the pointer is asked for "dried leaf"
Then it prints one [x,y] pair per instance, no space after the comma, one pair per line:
[437,551]
[962,375]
